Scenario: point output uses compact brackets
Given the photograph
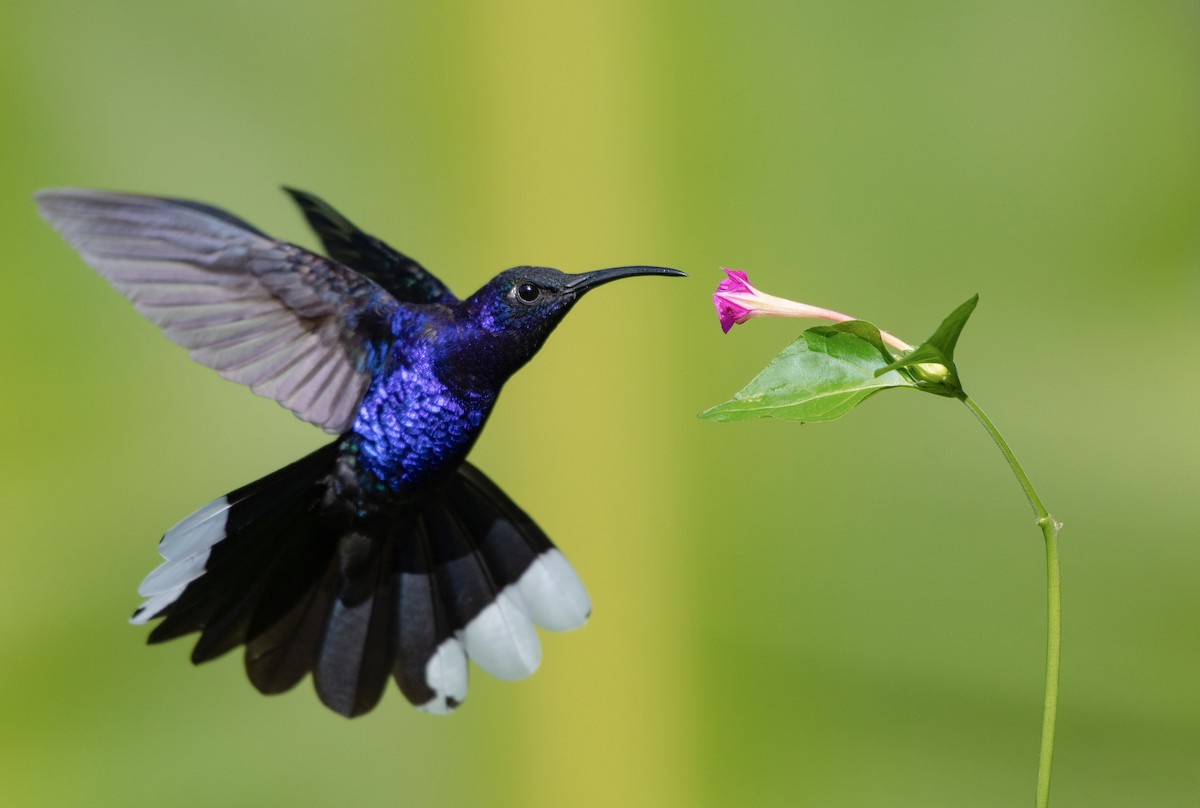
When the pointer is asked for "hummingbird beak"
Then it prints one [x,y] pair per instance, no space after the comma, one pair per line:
[584,281]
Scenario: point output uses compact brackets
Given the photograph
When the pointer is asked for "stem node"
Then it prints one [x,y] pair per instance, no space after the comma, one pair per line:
[1049,521]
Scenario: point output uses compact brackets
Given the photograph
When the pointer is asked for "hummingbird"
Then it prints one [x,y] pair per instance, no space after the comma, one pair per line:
[385,553]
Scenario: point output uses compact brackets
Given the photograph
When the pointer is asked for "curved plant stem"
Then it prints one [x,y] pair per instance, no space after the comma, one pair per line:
[1050,528]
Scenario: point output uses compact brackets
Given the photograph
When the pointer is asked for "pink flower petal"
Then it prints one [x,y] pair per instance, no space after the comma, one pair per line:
[730,311]
[735,281]
[730,314]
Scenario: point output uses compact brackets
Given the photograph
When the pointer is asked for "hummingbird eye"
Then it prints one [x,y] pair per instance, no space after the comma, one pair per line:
[528,292]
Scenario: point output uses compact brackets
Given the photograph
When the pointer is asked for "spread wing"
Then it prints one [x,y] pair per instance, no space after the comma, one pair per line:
[293,326]
[400,275]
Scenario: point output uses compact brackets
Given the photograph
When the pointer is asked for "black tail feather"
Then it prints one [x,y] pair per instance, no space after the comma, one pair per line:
[250,601]
[422,624]
[509,544]
[277,658]
[463,580]
[354,657]
[221,601]
[354,595]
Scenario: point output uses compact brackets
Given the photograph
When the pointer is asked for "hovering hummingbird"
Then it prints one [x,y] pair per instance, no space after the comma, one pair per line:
[384,553]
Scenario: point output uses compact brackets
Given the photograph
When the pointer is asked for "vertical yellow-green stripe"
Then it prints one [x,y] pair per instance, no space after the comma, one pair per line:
[571,179]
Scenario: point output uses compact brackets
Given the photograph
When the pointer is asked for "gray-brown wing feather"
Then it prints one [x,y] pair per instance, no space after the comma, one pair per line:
[291,325]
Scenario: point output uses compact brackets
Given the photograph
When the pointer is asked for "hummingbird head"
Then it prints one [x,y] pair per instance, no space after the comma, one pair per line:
[518,308]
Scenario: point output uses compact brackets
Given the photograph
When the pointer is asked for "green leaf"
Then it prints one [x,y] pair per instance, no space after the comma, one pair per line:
[820,377]
[931,364]
[861,328]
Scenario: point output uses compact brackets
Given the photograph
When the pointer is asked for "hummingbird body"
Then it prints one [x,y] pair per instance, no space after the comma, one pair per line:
[411,424]
[384,553]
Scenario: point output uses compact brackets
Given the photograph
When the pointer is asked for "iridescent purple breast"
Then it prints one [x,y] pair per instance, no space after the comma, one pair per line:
[412,426]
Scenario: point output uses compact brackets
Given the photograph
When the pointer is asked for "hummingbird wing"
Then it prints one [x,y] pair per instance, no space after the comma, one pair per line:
[404,278]
[291,325]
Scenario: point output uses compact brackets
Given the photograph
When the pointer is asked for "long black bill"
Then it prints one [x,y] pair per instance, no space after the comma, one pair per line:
[588,280]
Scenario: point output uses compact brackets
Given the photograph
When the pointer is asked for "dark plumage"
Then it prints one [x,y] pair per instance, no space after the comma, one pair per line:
[383,553]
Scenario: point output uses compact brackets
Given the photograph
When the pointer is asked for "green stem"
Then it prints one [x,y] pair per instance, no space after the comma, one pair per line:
[1050,529]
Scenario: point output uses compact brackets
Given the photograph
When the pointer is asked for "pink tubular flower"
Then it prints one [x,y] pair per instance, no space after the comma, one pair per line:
[737,301]
[734,299]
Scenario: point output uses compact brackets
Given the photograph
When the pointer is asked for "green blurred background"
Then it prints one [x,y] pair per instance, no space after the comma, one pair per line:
[847,614]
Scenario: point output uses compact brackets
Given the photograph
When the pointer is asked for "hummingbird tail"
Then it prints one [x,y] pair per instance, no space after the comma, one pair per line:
[411,591]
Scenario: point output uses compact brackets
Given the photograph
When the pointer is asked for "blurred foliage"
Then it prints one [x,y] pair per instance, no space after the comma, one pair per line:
[764,632]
